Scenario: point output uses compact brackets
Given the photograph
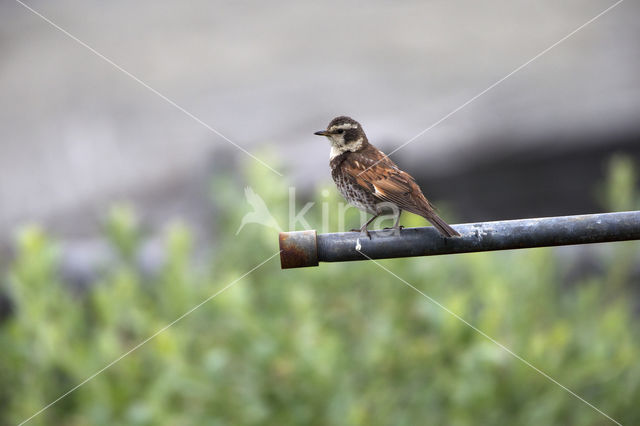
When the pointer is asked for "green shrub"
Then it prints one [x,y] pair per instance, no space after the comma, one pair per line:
[339,344]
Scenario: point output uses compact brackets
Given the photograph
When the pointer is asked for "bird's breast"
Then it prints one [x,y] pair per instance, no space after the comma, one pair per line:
[352,192]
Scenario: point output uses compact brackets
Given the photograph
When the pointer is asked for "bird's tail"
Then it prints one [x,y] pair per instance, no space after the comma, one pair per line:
[441,225]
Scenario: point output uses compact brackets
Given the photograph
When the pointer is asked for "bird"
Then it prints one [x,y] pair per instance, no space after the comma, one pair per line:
[370,181]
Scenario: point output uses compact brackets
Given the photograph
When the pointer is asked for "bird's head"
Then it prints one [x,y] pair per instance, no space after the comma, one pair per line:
[344,134]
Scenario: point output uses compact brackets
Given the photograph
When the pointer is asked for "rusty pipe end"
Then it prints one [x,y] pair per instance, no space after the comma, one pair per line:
[298,249]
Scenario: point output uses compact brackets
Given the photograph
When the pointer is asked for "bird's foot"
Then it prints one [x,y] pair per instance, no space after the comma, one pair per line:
[363,232]
[396,229]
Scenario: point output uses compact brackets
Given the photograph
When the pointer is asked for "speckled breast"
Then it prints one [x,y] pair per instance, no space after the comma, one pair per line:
[352,192]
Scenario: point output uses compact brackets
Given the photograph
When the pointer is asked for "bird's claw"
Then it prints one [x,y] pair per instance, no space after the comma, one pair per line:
[395,228]
[363,232]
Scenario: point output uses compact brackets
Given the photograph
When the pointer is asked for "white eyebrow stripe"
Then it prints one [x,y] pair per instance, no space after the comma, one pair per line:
[345,126]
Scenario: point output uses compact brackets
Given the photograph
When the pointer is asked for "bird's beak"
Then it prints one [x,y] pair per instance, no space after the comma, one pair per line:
[321,133]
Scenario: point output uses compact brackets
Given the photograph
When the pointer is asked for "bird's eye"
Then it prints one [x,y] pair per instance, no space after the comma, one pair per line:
[341,131]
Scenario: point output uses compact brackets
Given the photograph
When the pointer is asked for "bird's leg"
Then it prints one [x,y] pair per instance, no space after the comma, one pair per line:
[363,229]
[397,227]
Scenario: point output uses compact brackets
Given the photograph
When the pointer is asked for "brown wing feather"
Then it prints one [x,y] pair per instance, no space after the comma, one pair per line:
[374,172]
[386,181]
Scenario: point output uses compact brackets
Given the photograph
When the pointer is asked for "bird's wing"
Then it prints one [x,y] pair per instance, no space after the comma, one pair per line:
[387,183]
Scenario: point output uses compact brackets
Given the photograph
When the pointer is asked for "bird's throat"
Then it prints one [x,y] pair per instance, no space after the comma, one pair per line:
[339,149]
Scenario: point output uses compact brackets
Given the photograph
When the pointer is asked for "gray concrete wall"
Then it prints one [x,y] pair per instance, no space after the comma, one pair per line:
[76,134]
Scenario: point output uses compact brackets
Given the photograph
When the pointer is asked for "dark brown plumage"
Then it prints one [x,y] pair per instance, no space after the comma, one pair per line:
[369,180]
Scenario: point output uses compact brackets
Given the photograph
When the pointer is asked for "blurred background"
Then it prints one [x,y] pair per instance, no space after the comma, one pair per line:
[118,211]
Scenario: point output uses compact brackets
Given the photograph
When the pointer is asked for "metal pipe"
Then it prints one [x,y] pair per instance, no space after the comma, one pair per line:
[306,248]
